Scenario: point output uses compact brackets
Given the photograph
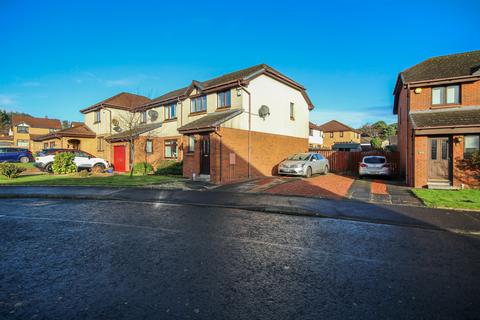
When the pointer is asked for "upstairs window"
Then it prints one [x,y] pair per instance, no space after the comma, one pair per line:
[100,144]
[199,104]
[331,134]
[143,117]
[446,95]
[22,129]
[97,117]
[341,134]
[52,130]
[170,112]
[224,99]
[292,111]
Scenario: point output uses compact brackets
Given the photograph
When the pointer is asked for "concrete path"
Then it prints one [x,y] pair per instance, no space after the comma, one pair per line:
[421,217]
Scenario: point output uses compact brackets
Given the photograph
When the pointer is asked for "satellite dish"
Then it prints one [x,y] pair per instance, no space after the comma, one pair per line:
[153,115]
[263,112]
[115,122]
[117,129]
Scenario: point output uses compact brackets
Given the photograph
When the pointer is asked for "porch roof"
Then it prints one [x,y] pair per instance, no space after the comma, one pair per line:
[210,121]
[125,135]
[452,117]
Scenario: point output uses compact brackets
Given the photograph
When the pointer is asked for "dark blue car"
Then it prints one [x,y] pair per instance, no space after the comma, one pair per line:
[9,154]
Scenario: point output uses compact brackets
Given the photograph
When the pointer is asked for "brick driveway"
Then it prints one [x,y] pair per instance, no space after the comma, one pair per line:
[328,186]
[333,186]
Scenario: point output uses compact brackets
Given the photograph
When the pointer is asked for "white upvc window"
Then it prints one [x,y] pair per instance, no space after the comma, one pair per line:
[170,111]
[446,95]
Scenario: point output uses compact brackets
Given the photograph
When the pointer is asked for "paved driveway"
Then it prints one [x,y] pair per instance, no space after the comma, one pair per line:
[332,186]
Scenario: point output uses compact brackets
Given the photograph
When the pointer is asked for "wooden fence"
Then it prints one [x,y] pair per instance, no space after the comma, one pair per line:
[347,162]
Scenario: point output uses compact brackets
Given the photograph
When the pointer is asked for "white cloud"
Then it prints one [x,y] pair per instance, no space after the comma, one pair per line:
[354,118]
[118,82]
[31,84]
[7,100]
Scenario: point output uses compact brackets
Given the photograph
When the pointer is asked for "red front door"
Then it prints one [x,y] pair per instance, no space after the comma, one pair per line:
[119,158]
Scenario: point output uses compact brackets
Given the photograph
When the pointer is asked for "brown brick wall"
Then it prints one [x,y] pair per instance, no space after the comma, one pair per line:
[267,151]
[420,165]
[469,96]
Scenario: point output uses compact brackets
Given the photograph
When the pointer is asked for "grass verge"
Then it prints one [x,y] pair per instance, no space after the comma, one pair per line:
[460,199]
[77,180]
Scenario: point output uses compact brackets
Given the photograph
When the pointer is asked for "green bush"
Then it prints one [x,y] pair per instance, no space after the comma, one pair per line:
[63,163]
[376,143]
[142,168]
[10,170]
[170,168]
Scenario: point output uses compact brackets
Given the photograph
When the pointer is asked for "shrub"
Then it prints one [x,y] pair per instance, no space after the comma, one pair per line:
[143,168]
[376,143]
[63,163]
[10,170]
[171,168]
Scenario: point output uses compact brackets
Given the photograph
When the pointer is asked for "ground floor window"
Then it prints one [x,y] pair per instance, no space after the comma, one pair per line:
[22,143]
[472,144]
[52,144]
[100,144]
[171,149]
[149,146]
[191,143]
[45,145]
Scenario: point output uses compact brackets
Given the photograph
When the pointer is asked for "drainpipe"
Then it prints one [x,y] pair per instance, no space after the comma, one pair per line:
[249,128]
[218,134]
[110,125]
[407,136]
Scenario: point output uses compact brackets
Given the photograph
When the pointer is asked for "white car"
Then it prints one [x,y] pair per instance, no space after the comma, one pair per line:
[374,166]
[83,160]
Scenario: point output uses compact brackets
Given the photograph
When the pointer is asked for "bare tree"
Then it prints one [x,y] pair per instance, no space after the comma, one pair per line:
[131,123]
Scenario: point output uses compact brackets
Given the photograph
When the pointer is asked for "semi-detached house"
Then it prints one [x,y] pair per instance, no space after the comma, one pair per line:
[438,107]
[236,126]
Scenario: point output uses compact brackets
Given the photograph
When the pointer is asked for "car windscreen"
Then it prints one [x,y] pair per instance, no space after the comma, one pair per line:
[299,157]
[374,160]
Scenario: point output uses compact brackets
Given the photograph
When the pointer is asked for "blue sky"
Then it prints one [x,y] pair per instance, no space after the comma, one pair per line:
[57,57]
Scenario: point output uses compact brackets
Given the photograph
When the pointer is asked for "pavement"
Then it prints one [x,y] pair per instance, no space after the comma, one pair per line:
[464,222]
[90,259]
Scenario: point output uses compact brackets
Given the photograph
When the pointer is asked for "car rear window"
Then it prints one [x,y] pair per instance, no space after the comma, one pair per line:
[374,160]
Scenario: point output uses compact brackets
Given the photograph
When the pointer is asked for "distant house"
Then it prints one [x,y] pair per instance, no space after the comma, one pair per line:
[26,128]
[347,146]
[337,132]
[315,136]
[438,107]
[78,137]
[365,143]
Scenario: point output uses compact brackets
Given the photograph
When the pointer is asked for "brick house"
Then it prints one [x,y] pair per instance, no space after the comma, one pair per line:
[235,126]
[336,132]
[438,106]
[25,128]
[78,137]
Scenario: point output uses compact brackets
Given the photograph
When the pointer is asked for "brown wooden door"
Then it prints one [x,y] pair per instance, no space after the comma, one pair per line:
[439,158]
[205,154]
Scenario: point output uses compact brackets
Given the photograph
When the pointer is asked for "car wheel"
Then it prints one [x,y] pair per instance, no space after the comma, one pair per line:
[48,168]
[24,159]
[308,173]
[326,170]
[98,168]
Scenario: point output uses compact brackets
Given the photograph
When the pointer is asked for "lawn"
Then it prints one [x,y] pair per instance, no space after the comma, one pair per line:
[460,199]
[77,180]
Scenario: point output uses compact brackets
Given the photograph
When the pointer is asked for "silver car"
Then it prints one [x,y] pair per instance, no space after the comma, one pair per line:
[374,166]
[304,164]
